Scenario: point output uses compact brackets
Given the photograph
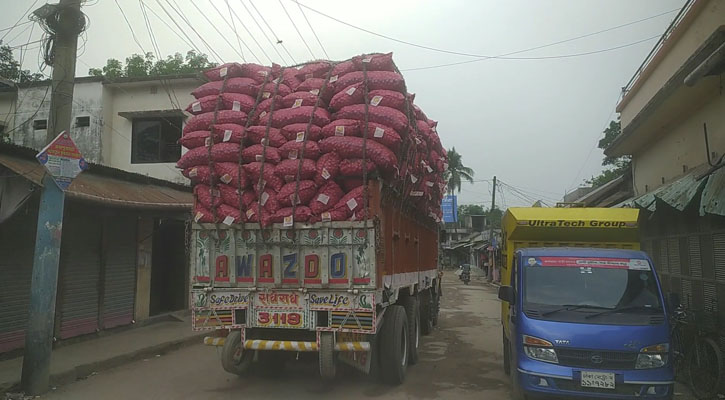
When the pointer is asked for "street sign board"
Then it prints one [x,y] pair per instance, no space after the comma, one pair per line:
[449,206]
[62,159]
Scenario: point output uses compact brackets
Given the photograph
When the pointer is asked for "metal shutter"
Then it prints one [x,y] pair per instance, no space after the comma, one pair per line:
[119,281]
[695,257]
[718,249]
[673,256]
[664,261]
[80,263]
[17,242]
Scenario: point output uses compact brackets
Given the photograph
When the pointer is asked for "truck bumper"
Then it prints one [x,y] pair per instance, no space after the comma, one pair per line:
[289,345]
[560,381]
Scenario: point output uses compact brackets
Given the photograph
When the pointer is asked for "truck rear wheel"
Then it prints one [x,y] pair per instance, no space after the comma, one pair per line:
[328,361]
[412,312]
[394,345]
[235,359]
[425,300]
[435,308]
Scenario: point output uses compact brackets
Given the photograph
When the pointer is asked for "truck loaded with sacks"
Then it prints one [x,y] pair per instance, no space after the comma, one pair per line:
[315,224]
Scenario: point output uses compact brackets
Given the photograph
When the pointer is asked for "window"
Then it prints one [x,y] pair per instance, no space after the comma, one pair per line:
[39,124]
[155,140]
[83,121]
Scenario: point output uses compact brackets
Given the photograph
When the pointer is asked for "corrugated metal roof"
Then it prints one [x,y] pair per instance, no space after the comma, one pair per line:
[713,196]
[112,191]
[680,193]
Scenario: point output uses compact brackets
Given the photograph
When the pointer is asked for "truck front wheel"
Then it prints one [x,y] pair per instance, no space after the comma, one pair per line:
[394,345]
[235,359]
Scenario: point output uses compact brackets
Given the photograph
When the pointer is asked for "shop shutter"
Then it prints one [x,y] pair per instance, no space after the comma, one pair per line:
[119,281]
[695,257]
[80,261]
[686,292]
[718,249]
[663,259]
[17,243]
[673,256]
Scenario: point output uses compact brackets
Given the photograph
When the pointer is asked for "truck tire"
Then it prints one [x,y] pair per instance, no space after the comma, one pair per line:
[235,359]
[328,361]
[394,345]
[517,393]
[412,313]
[436,306]
[425,301]
[506,354]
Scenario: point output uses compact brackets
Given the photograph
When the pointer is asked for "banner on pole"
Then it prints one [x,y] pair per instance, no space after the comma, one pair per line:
[62,159]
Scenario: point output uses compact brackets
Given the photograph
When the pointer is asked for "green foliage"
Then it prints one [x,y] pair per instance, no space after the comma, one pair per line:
[470,209]
[495,216]
[138,65]
[10,68]
[616,166]
[456,172]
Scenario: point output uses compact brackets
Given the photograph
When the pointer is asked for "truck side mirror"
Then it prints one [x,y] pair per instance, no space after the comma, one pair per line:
[674,300]
[506,293]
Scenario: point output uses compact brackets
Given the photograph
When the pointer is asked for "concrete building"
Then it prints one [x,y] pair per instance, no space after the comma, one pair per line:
[673,126]
[123,253]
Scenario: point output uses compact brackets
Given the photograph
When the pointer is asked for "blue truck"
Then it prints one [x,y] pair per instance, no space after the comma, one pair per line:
[579,320]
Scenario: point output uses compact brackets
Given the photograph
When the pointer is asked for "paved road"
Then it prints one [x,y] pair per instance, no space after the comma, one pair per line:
[461,359]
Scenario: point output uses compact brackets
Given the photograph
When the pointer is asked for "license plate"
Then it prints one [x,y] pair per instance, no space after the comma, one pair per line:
[280,319]
[599,380]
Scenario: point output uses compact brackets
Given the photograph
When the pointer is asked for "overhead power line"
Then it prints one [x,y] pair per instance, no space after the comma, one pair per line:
[263,33]
[250,34]
[296,29]
[148,8]
[133,33]
[18,23]
[213,25]
[279,41]
[481,55]
[181,14]
[15,26]
[234,29]
[312,29]
[183,32]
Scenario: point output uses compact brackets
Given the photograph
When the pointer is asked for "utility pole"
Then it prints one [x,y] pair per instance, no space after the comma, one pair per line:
[491,258]
[66,22]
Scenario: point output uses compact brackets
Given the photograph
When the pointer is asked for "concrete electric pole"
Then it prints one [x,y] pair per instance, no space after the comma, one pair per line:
[64,21]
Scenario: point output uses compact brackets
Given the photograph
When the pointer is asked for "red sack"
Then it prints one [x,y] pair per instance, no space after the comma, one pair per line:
[307,190]
[221,152]
[202,122]
[289,77]
[382,115]
[297,132]
[268,89]
[265,106]
[342,127]
[350,184]
[232,133]
[302,214]
[327,168]
[315,86]
[230,195]
[229,215]
[203,195]
[202,215]
[287,170]
[298,99]
[314,70]
[253,212]
[258,152]
[293,150]
[354,167]
[387,98]
[352,201]
[384,135]
[228,173]
[352,147]
[204,104]
[257,134]
[271,180]
[256,71]
[198,174]
[376,80]
[229,70]
[284,117]
[331,215]
[341,69]
[353,94]
[326,198]
[268,200]
[194,139]
[374,62]
[246,86]
[419,114]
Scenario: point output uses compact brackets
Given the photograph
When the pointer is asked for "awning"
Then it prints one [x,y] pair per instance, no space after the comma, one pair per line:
[109,190]
[713,196]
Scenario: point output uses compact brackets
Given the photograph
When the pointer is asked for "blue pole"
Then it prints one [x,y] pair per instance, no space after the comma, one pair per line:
[41,316]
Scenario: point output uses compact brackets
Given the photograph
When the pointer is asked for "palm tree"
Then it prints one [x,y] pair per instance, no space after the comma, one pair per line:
[456,171]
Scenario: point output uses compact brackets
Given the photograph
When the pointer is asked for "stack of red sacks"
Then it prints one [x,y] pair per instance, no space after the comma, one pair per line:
[255,129]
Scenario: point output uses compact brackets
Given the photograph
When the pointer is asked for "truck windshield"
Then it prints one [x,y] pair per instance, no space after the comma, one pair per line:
[590,286]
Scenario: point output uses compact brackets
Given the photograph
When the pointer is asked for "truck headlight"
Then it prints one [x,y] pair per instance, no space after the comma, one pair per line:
[539,349]
[653,356]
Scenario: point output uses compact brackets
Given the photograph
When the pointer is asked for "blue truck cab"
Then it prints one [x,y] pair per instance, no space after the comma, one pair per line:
[586,322]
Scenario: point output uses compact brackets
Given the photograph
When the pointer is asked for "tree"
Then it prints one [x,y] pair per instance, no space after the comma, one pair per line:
[616,166]
[456,172]
[145,65]
[494,217]
[470,209]
[10,68]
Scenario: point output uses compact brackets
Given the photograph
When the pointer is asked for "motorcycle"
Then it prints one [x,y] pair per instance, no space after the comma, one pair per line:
[465,275]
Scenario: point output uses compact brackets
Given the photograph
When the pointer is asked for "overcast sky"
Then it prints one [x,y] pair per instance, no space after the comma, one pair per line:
[534,123]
